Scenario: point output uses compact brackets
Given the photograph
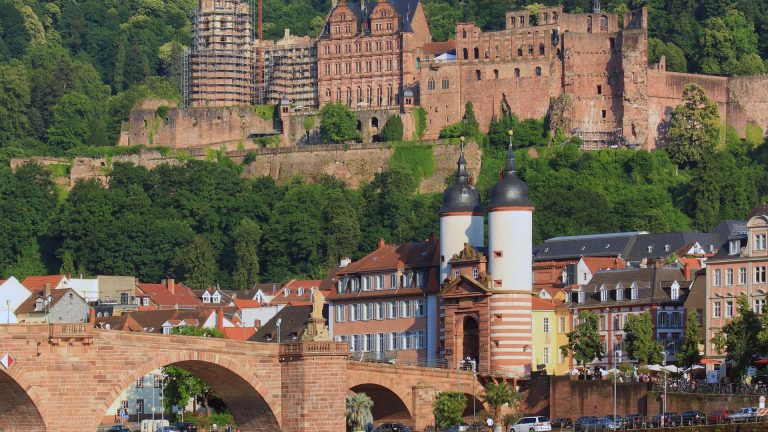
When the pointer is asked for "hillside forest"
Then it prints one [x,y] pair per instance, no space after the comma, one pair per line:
[71,71]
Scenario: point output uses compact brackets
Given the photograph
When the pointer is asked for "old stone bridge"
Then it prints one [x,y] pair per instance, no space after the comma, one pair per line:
[63,378]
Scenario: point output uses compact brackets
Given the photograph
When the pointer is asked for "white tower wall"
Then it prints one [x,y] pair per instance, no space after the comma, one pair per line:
[510,249]
[455,230]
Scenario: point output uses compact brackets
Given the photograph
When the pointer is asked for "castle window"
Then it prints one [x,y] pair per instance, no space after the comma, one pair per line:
[541,49]
[603,113]
[475,272]
[589,24]
[464,33]
[517,72]
[538,71]
[530,49]
[603,23]
[495,74]
[446,83]
[599,89]
[431,84]
[545,18]
[519,52]
[476,52]
[466,54]
[478,74]
[512,22]
[357,47]
[522,21]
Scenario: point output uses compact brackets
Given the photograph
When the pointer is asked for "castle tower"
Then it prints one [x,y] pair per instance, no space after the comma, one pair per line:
[461,218]
[510,240]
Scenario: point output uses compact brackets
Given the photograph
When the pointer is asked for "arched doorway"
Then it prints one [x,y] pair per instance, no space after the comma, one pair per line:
[18,411]
[359,126]
[387,405]
[250,410]
[470,344]
[374,122]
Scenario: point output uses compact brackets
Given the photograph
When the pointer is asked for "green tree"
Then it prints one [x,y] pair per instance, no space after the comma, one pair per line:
[180,385]
[449,408]
[392,130]
[471,127]
[137,69]
[640,340]
[584,342]
[14,103]
[739,338]
[247,236]
[28,263]
[420,123]
[342,229]
[67,265]
[498,131]
[72,118]
[689,354]
[498,394]
[338,123]
[358,410]
[118,79]
[198,264]
[694,128]
[675,57]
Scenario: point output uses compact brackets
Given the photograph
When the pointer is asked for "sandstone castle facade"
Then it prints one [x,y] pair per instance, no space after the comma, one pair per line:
[588,72]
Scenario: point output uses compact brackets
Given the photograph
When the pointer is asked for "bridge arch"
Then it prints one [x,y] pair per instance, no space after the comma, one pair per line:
[389,406]
[247,398]
[18,408]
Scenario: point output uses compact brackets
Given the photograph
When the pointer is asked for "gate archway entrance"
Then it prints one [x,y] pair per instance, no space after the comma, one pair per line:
[18,411]
[470,344]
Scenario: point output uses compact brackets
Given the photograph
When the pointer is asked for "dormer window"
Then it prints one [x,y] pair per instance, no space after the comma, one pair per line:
[760,240]
[666,248]
[216,298]
[301,292]
[650,249]
[206,297]
[633,294]
[475,272]
[619,294]
[145,301]
[674,291]
[286,292]
[39,304]
[581,296]
[603,295]
[733,247]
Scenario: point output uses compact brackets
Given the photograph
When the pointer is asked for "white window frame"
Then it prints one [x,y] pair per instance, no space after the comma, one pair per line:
[421,339]
[581,296]
[619,294]
[393,281]
[760,241]
[561,324]
[352,313]
[634,293]
[742,275]
[717,309]
[717,277]
[392,309]
[419,308]
[545,326]
[475,272]
[729,277]
[729,309]
[339,313]
[603,295]
[406,310]
[759,274]
[380,310]
[392,341]
[674,291]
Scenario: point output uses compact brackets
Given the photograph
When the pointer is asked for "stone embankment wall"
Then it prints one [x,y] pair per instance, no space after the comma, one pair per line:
[352,164]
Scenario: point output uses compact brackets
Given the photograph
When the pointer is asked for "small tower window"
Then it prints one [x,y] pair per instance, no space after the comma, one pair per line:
[538,71]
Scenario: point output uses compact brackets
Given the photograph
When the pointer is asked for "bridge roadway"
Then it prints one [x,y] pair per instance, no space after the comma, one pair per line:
[65,377]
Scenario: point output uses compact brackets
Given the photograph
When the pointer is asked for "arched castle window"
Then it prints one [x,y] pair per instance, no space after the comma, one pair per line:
[517,72]
[338,94]
[603,23]
[589,24]
[349,96]
[431,84]
[464,33]
[379,97]
[512,22]
[545,18]
[478,74]
[519,52]
[541,49]
[446,83]
[466,54]
[359,94]
[538,71]
[328,93]
[476,52]
[369,94]
[495,74]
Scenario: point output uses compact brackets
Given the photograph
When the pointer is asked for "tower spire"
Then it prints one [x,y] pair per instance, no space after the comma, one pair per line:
[510,165]
[461,170]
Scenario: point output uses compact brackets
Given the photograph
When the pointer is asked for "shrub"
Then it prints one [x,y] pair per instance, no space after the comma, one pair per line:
[162,112]
[448,408]
[416,158]
[392,130]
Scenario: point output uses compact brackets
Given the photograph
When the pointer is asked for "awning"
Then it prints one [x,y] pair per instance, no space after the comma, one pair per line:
[710,361]
[761,362]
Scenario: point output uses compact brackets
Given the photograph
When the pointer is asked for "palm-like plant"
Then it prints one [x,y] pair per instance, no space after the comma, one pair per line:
[496,395]
[359,410]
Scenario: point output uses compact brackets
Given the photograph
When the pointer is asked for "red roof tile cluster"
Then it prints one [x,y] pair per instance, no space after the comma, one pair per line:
[437,48]
[595,264]
[397,256]
[169,295]
[538,303]
[37,283]
[239,333]
[292,289]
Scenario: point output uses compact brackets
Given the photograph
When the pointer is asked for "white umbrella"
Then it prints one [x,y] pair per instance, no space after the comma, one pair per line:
[573,372]
[671,368]
[697,367]
[612,370]
[654,367]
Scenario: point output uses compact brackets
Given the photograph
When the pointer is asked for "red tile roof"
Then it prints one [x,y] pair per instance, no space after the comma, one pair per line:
[162,296]
[37,283]
[120,322]
[438,48]
[155,319]
[397,256]
[245,303]
[595,264]
[541,304]
[293,297]
[2,281]
[239,333]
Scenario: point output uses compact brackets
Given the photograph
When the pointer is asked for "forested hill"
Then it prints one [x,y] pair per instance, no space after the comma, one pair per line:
[71,70]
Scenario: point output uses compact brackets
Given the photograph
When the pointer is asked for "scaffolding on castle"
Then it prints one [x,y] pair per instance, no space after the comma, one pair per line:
[218,69]
[600,139]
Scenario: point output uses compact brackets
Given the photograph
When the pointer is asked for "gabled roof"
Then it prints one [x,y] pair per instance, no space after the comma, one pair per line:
[152,321]
[225,297]
[760,209]
[595,264]
[452,288]
[611,245]
[293,320]
[651,283]
[662,245]
[28,306]
[541,304]
[120,322]
[238,333]
[160,295]
[37,283]
[292,289]
[391,257]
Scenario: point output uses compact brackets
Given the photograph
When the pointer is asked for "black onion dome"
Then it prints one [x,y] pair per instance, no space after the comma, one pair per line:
[460,196]
[509,191]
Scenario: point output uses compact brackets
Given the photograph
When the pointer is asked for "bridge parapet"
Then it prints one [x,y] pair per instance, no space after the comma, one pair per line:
[297,350]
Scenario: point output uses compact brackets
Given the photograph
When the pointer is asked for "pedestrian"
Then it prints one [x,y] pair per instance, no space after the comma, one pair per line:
[369,427]
[489,422]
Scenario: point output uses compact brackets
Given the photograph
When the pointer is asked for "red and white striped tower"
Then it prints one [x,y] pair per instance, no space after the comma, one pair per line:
[510,240]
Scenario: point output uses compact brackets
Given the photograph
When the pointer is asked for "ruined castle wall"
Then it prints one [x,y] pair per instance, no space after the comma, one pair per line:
[665,91]
[195,127]
[296,134]
[635,104]
[748,102]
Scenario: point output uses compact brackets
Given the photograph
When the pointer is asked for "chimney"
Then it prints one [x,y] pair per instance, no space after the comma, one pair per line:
[287,33]
[382,243]
[345,261]
[687,271]
[220,319]
[91,315]
[171,285]
[47,290]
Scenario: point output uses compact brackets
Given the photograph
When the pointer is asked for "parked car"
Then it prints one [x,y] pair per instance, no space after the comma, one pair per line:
[635,421]
[670,419]
[719,416]
[691,418]
[618,421]
[186,427]
[744,415]
[393,427]
[562,423]
[118,428]
[532,424]
[168,429]
[583,423]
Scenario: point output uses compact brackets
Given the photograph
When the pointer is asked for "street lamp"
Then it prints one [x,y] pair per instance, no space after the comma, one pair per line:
[509,134]
[277,324]
[616,360]
[664,366]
